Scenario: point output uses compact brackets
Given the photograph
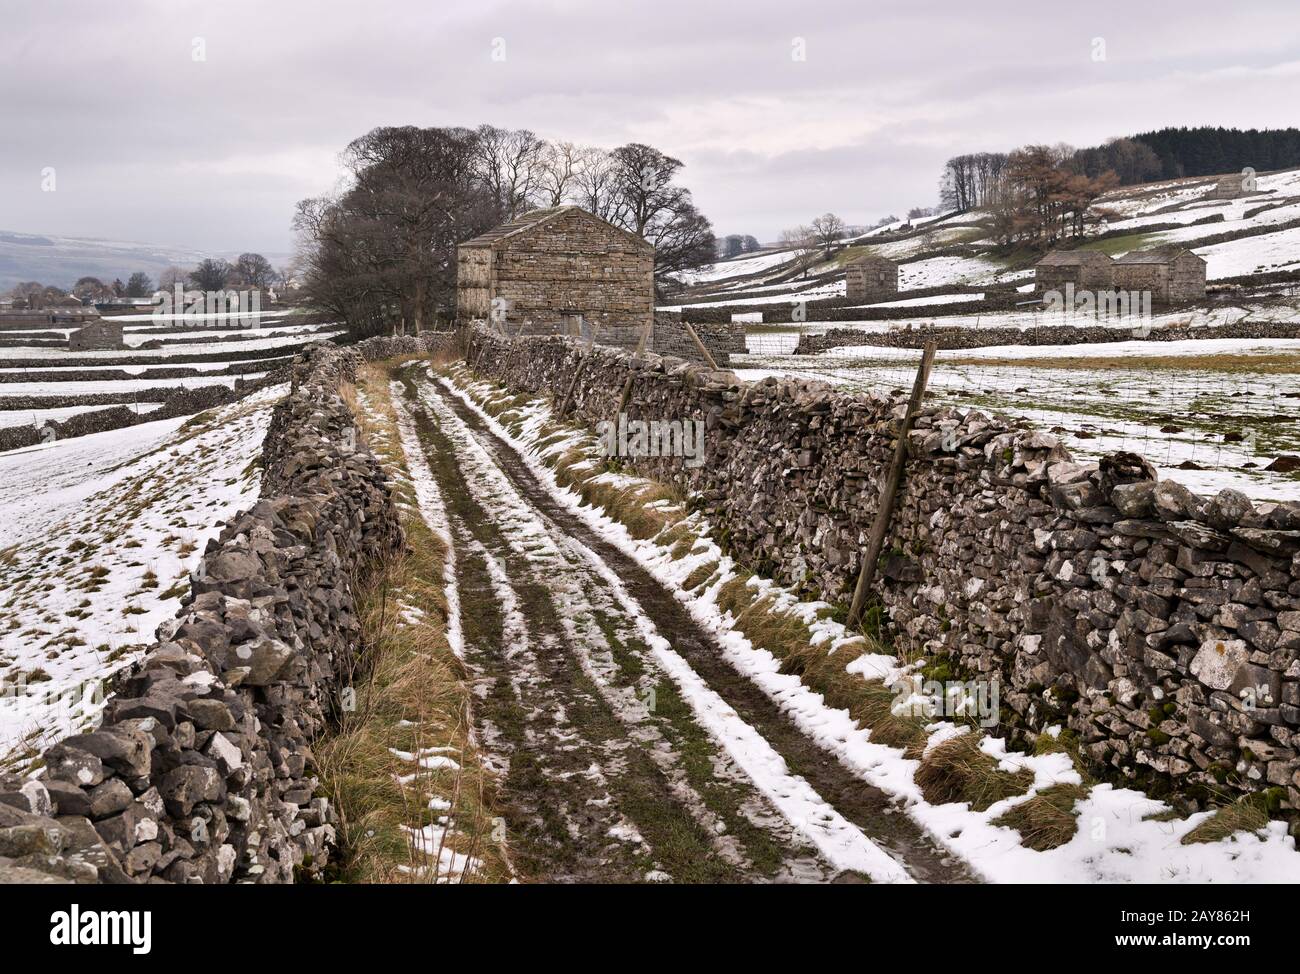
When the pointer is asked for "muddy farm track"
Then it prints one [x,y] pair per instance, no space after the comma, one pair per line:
[629,749]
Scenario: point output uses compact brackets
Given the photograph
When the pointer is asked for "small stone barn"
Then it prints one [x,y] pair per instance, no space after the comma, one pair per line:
[871,279]
[1087,270]
[97,335]
[553,269]
[1172,276]
[1228,187]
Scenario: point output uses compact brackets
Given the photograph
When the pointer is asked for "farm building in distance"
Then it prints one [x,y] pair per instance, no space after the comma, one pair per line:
[871,279]
[1229,187]
[97,335]
[1087,270]
[1172,276]
[553,270]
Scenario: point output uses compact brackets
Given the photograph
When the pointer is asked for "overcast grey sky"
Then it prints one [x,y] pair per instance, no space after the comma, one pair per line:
[149,144]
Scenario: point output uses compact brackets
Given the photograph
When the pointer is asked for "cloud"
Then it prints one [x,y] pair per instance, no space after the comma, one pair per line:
[151,144]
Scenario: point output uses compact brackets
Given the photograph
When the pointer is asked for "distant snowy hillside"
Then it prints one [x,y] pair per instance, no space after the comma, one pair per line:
[62,260]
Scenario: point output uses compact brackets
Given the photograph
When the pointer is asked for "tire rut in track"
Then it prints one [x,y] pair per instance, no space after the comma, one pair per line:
[870,809]
[597,787]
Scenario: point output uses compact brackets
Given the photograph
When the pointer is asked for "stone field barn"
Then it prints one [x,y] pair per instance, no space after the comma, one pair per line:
[550,270]
[1229,187]
[1171,276]
[871,279]
[1087,270]
[97,335]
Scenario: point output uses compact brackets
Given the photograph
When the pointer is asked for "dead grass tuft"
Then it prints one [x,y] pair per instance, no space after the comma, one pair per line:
[958,771]
[874,709]
[1048,819]
[700,575]
[1247,814]
[627,504]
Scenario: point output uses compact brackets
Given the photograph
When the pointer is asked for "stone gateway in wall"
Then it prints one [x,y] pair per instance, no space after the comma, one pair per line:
[554,270]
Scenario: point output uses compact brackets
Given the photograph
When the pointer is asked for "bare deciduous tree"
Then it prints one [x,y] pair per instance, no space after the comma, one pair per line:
[211,274]
[802,241]
[594,186]
[510,163]
[170,277]
[826,230]
[254,270]
[560,171]
[382,255]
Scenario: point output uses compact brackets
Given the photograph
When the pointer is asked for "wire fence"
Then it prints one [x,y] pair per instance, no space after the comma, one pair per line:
[1210,418]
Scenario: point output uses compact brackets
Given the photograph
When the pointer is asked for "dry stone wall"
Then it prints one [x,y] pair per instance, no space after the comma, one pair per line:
[175,402]
[722,339]
[425,343]
[1160,627]
[958,337]
[201,770]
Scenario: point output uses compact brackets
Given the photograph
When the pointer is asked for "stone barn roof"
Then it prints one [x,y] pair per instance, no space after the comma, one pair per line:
[528,222]
[1155,257]
[1073,258]
[872,259]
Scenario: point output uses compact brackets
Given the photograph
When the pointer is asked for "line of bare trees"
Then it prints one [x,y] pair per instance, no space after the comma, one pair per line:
[1045,199]
[979,179]
[1039,195]
[972,180]
[248,270]
[381,254]
[818,236]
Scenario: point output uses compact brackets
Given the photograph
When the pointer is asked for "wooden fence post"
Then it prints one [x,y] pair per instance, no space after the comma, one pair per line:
[469,342]
[515,344]
[577,371]
[627,386]
[700,345]
[467,339]
[889,490]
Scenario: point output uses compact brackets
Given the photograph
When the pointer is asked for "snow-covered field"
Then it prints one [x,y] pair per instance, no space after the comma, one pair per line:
[130,369]
[737,268]
[781,340]
[203,351]
[139,329]
[98,535]
[36,417]
[237,342]
[1208,427]
[91,387]
[1134,211]
[99,532]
